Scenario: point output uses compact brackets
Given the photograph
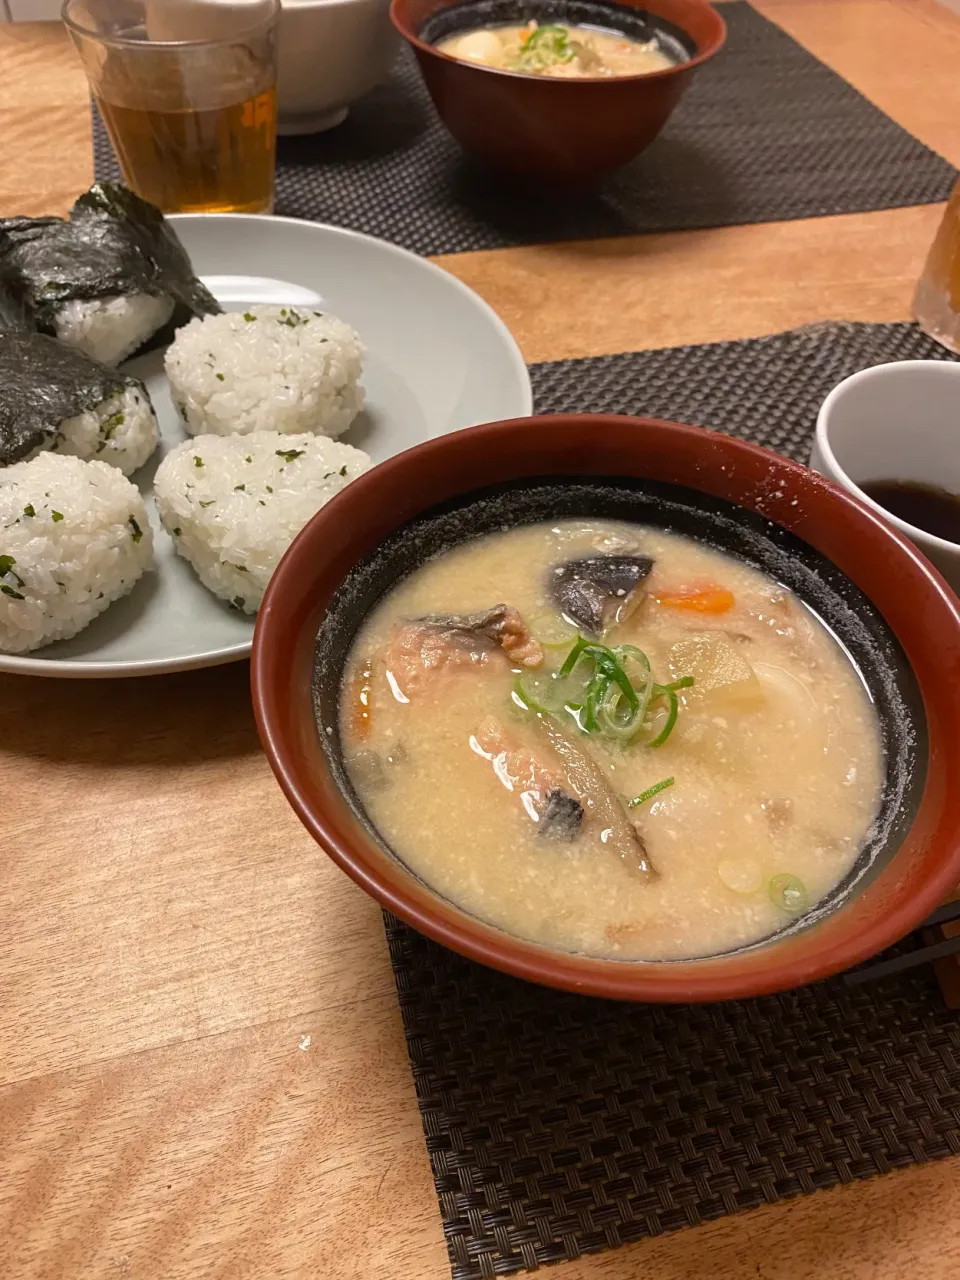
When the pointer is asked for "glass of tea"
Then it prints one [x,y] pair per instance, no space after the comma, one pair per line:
[936,304]
[188,92]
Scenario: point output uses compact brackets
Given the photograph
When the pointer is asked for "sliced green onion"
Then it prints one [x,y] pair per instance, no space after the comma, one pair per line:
[553,631]
[609,670]
[661,691]
[624,651]
[610,686]
[573,657]
[595,693]
[597,686]
[615,725]
[550,41]
[601,655]
[548,32]
[788,893]
[645,699]
[530,691]
[741,875]
[544,47]
[620,678]
[569,692]
[650,792]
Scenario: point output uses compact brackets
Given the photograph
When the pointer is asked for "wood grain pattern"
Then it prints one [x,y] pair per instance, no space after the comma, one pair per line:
[44,120]
[231,1155]
[169,936]
[901,54]
[596,297]
[890,1228]
[140,881]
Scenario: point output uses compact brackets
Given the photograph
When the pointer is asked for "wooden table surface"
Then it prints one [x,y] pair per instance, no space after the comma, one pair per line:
[169,935]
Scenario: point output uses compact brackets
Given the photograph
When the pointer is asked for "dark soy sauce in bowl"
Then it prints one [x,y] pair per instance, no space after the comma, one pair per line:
[925,506]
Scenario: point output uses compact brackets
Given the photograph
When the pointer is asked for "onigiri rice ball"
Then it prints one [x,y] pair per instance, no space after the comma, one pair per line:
[54,397]
[110,329]
[233,504]
[74,537]
[288,369]
[121,431]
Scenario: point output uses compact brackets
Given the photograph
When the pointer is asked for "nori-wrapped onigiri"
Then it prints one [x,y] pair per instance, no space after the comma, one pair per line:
[14,313]
[53,397]
[107,279]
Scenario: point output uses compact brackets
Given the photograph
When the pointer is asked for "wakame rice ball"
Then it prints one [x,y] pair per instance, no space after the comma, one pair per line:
[74,537]
[289,369]
[121,431]
[233,504]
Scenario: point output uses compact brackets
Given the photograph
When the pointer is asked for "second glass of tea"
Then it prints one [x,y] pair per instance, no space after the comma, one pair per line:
[188,92]
[936,303]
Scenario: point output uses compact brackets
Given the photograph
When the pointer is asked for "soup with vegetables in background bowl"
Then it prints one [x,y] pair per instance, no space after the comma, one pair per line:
[561,91]
[611,739]
[551,49]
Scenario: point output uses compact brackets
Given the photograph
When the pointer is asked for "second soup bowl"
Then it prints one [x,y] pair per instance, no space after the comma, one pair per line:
[884,602]
[565,131]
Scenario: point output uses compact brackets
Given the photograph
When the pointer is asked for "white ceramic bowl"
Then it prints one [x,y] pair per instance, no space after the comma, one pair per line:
[896,422]
[331,53]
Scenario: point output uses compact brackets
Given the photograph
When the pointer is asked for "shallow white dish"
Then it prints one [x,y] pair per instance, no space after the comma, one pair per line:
[438,359]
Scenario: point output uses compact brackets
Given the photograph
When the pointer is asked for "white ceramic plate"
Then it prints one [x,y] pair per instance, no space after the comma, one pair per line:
[438,359]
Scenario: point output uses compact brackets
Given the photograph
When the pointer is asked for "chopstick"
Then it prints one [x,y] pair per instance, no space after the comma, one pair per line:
[947,914]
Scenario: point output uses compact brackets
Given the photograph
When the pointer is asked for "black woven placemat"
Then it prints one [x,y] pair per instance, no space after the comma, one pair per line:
[559,1125]
[767,390]
[766,132]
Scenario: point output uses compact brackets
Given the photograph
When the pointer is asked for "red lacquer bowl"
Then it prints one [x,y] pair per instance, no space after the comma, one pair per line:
[569,132]
[884,600]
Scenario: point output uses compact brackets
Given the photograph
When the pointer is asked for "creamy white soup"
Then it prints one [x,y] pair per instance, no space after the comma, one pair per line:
[611,740]
[566,52]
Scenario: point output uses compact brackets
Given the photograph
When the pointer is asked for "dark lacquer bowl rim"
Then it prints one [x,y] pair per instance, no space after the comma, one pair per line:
[713,46]
[918,606]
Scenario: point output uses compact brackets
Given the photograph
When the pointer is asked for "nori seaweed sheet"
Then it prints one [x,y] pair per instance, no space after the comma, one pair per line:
[14,313]
[42,382]
[113,244]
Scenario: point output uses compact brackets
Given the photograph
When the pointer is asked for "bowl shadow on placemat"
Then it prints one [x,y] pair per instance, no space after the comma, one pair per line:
[386,121]
[559,1125]
[396,116]
[519,212]
[514,211]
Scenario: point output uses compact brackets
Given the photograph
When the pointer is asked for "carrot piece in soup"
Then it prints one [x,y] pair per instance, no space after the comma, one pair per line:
[703,598]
